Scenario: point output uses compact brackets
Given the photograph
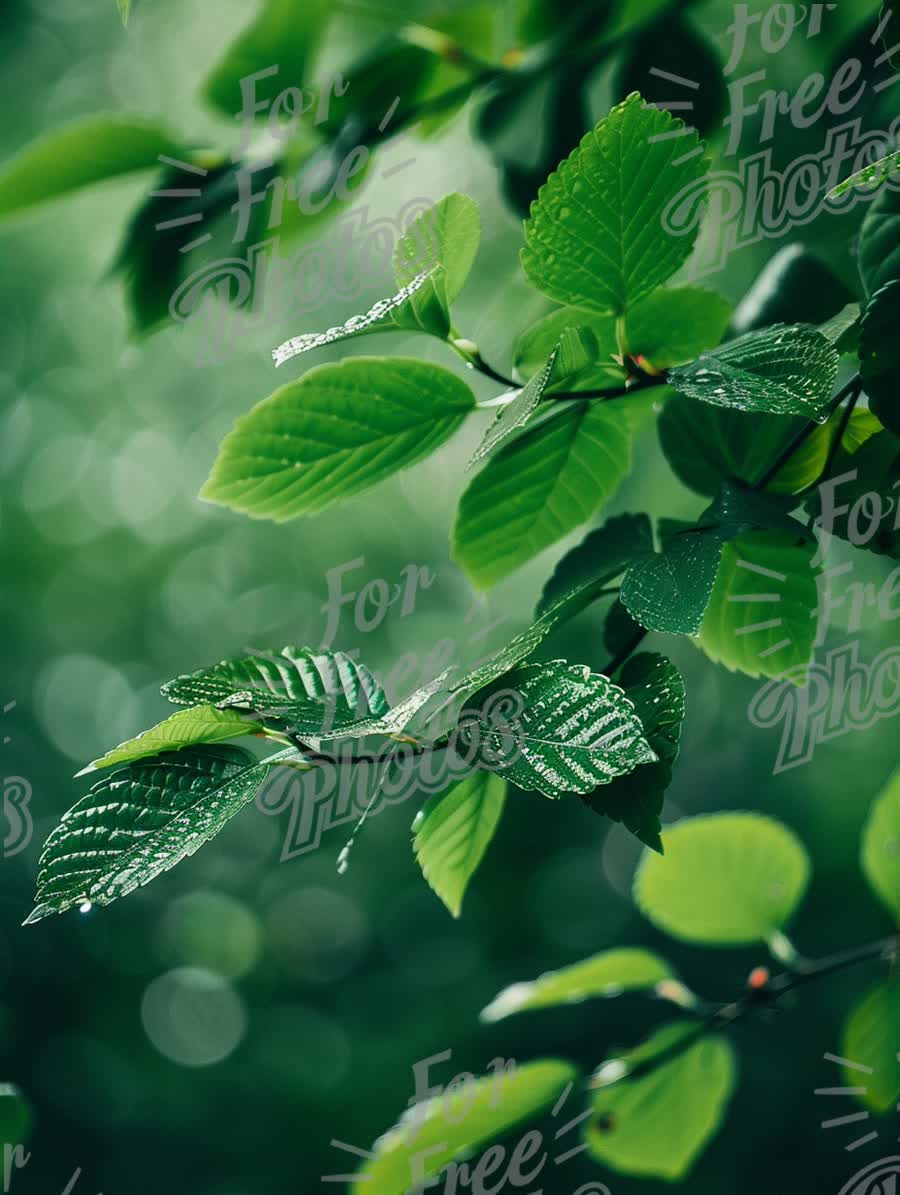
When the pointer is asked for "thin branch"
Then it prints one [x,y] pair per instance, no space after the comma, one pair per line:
[766,994]
[618,660]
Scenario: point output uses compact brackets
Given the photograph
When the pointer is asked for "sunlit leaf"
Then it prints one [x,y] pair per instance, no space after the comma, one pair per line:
[607,974]
[199,724]
[338,430]
[454,830]
[869,1039]
[881,846]
[726,879]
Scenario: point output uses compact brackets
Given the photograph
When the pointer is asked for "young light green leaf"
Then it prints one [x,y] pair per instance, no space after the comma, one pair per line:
[607,974]
[759,620]
[869,1038]
[657,1124]
[783,370]
[726,879]
[273,53]
[516,413]
[870,177]
[597,236]
[318,693]
[200,724]
[459,1121]
[124,6]
[656,689]
[140,820]
[881,846]
[539,487]
[453,831]
[879,241]
[444,236]
[879,354]
[79,154]
[338,430]
[599,558]
[669,590]
[569,730]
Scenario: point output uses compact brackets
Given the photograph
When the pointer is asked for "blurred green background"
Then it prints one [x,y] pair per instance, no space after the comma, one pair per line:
[216,1030]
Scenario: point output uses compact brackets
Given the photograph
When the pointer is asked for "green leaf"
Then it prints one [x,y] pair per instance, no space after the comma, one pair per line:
[539,487]
[537,342]
[881,847]
[284,34]
[79,154]
[607,974]
[599,558]
[783,370]
[338,430]
[656,689]
[516,413]
[675,324]
[620,629]
[446,235]
[318,693]
[382,316]
[870,1036]
[393,70]
[123,7]
[459,1121]
[200,724]
[596,236]
[864,495]
[658,1123]
[879,354]
[140,820]
[453,831]
[795,287]
[706,445]
[727,879]
[670,590]
[571,729]
[870,177]
[14,1116]
[843,329]
[879,242]
[760,615]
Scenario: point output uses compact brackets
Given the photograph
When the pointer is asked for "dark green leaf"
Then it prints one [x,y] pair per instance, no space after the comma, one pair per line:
[599,558]
[656,689]
[139,821]
[879,354]
[860,499]
[673,46]
[780,371]
[335,432]
[318,693]
[795,287]
[879,242]
[572,730]
[669,590]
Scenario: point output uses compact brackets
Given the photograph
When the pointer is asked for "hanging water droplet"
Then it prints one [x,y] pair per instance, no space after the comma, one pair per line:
[85,907]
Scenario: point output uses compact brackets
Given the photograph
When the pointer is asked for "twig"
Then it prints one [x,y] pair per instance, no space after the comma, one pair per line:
[853,387]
